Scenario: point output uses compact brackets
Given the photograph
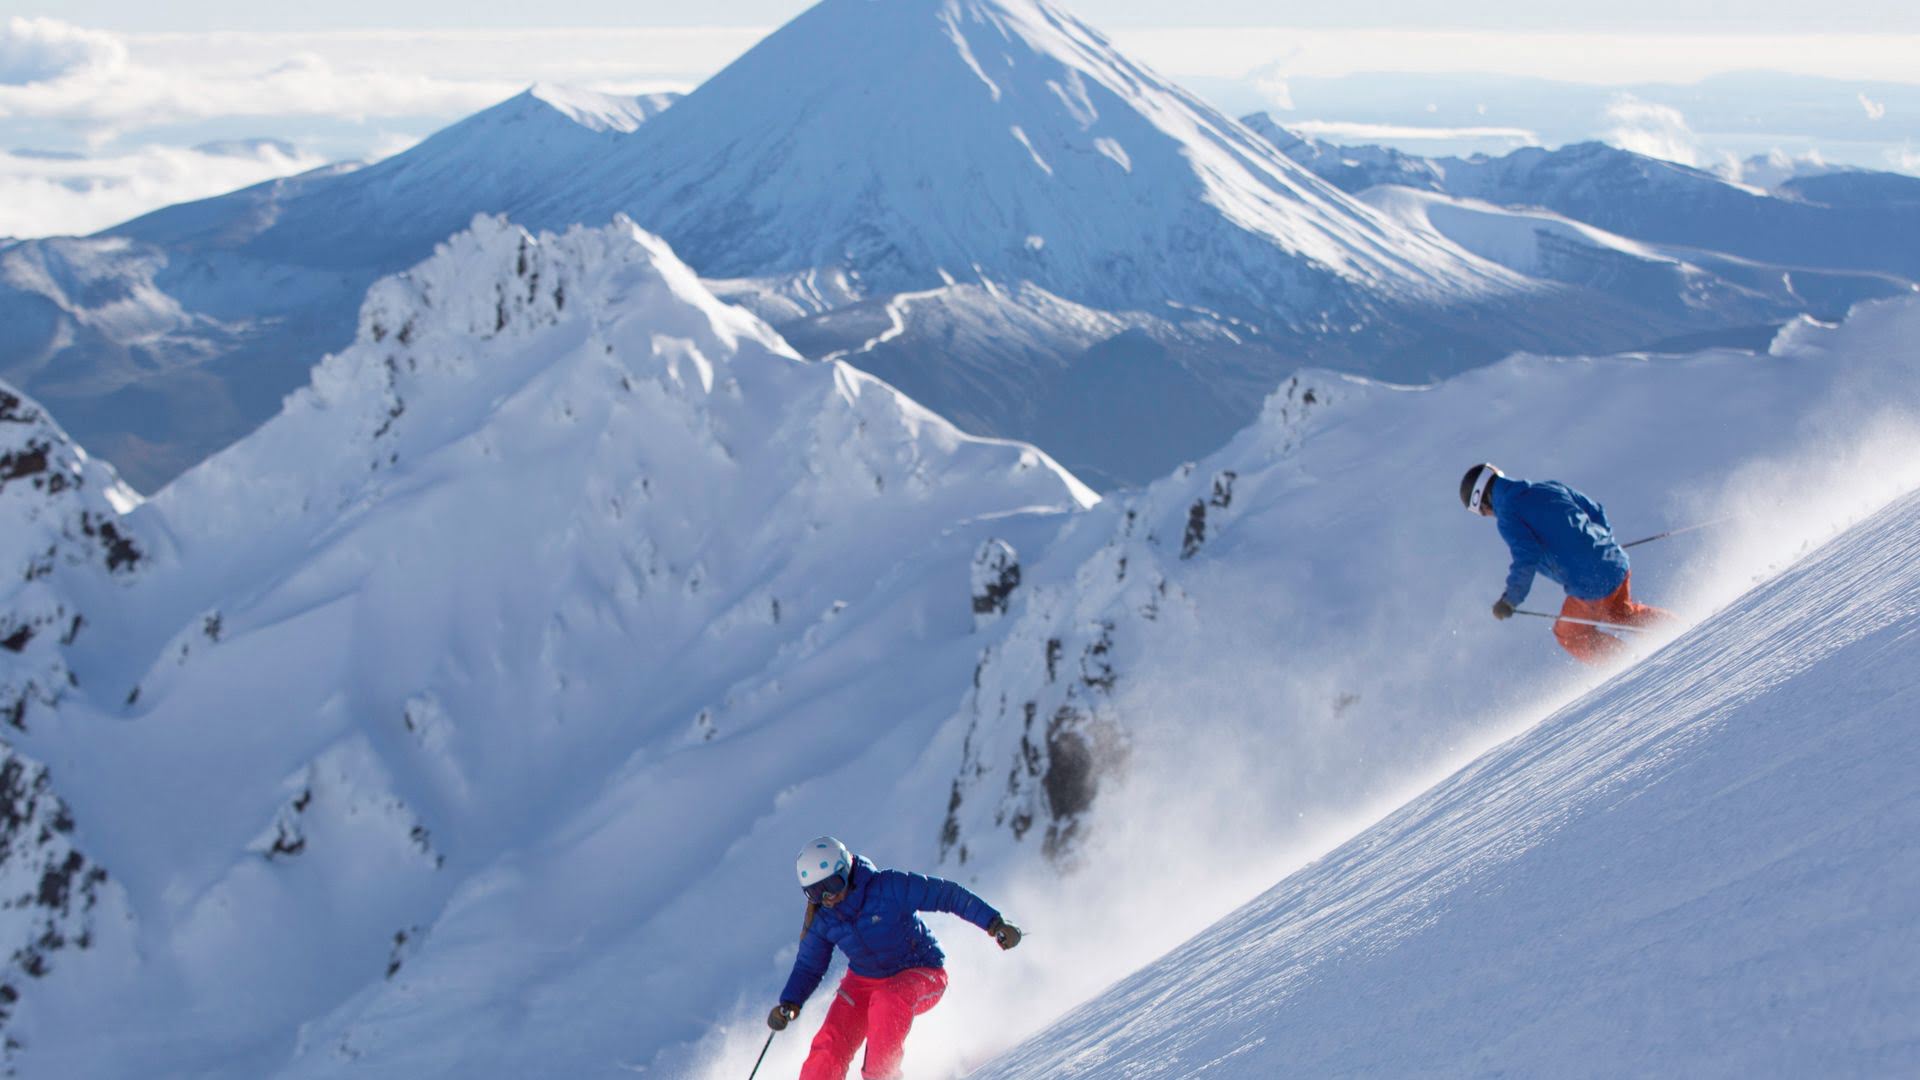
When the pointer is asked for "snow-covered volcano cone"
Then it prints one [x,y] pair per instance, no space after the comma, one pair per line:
[1002,140]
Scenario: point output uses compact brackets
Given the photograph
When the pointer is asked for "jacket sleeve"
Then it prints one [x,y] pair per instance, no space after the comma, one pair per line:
[938,894]
[1593,510]
[1527,554]
[816,953]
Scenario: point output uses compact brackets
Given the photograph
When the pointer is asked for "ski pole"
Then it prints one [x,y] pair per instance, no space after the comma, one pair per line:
[1582,622]
[763,1055]
[1683,529]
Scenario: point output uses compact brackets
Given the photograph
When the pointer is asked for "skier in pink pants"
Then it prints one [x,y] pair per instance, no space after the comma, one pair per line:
[895,970]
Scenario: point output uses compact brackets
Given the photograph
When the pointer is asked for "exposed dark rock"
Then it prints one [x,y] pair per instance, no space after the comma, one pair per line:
[1196,533]
[1223,488]
[30,460]
[36,846]
[120,550]
[996,573]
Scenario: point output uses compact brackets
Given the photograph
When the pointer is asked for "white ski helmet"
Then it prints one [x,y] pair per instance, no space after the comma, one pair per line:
[822,858]
[1476,484]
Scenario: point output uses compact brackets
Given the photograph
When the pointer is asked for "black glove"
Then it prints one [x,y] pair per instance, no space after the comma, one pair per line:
[1004,932]
[783,1012]
[1502,609]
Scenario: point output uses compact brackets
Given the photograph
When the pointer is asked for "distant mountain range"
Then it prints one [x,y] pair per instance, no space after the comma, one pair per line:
[1002,215]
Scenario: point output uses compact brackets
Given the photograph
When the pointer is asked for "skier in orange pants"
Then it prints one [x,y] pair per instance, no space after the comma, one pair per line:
[1587,643]
[1557,532]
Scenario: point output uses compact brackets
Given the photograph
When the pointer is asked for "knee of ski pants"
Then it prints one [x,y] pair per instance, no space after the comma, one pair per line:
[912,992]
[843,1030]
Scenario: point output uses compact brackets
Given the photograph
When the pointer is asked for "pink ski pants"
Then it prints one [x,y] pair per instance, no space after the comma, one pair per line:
[879,1011]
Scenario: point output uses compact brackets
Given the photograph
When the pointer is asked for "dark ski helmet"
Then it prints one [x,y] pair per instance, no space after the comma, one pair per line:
[1475,485]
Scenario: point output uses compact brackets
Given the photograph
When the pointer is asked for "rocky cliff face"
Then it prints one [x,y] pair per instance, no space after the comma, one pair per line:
[66,556]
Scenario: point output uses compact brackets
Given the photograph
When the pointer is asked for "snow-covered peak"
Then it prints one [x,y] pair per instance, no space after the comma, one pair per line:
[998,140]
[501,336]
[601,112]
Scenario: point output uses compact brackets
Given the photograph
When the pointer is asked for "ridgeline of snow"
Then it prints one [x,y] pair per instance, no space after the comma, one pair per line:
[1701,868]
[1640,278]
[602,112]
[377,219]
[1848,221]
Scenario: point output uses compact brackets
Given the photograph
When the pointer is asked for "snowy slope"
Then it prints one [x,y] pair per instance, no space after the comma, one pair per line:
[1701,868]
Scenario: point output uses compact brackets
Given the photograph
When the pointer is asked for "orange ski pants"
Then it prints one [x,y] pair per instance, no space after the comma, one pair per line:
[879,1011]
[1587,643]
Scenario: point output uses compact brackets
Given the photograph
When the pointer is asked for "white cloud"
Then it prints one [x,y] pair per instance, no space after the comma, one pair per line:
[1652,129]
[1341,132]
[41,50]
[68,196]
[1764,172]
[1271,81]
[1592,57]
[1875,109]
[104,85]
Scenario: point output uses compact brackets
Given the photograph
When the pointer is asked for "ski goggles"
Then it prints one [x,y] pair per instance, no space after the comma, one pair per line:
[1481,488]
[820,890]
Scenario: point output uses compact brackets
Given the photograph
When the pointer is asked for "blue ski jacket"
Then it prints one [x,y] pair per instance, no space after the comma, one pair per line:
[1554,530]
[878,926]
